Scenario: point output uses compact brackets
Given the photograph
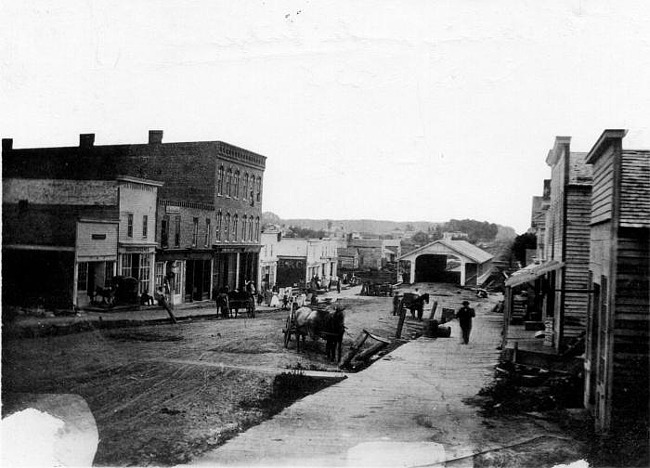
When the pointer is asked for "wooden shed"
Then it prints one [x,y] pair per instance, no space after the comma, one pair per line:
[617,357]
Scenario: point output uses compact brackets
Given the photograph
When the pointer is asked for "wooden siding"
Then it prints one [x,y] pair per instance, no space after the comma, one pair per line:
[632,320]
[602,195]
[576,280]
[635,189]
[96,241]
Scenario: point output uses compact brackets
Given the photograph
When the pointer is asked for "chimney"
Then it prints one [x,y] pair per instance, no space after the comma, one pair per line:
[155,137]
[86,140]
[7,144]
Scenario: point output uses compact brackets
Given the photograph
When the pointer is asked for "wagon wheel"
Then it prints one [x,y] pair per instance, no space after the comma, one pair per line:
[287,332]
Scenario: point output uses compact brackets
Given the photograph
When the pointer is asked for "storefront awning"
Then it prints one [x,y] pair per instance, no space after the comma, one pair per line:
[532,272]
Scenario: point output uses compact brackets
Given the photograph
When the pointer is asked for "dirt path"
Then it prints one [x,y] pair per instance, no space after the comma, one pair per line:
[163,394]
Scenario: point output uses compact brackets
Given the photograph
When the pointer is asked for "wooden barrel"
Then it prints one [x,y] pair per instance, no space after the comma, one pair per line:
[430,328]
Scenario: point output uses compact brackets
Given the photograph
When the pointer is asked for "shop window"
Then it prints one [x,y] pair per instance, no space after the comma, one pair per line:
[127,264]
[145,273]
[82,276]
[129,225]
[159,271]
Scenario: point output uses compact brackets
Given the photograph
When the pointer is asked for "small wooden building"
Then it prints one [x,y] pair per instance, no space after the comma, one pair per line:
[617,358]
[560,279]
[449,261]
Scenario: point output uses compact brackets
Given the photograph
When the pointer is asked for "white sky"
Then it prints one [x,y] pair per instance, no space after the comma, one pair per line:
[401,110]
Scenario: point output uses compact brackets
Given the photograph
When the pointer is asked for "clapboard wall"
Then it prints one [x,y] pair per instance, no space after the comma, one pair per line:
[576,257]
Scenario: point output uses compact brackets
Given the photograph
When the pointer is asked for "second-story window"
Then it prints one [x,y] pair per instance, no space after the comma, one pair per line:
[208,232]
[228,182]
[245,191]
[235,226]
[235,189]
[177,233]
[250,228]
[129,225]
[195,231]
[164,232]
[226,227]
[257,228]
[220,181]
[244,220]
[218,228]
[145,226]
[259,189]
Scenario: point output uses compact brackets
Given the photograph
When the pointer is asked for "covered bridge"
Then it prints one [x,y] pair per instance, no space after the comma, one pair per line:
[449,261]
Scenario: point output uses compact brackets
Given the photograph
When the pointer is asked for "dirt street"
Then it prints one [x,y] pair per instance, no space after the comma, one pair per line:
[161,394]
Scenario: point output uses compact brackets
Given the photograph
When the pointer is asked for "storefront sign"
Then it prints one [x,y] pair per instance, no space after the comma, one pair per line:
[169,209]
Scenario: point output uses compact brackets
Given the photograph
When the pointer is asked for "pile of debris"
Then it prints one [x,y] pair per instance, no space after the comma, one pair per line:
[519,388]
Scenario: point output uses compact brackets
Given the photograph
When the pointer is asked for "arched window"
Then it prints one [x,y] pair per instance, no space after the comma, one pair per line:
[228,182]
[235,225]
[259,188]
[217,234]
[226,227]
[245,194]
[257,228]
[236,187]
[220,181]
[250,228]
[244,228]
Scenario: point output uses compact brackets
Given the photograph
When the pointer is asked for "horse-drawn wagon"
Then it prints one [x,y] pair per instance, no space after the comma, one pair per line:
[229,303]
[321,322]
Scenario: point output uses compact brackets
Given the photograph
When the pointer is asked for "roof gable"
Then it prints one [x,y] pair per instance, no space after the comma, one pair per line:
[460,247]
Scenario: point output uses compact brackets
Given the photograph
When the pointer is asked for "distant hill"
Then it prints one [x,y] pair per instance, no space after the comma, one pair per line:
[369,225]
[361,225]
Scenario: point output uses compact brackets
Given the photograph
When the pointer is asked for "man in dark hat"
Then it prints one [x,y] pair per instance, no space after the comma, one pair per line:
[464,316]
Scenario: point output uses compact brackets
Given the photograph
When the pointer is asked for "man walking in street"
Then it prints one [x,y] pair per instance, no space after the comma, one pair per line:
[464,316]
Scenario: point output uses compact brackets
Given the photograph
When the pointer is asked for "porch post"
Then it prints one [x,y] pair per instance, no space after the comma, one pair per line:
[75,275]
[412,273]
[462,272]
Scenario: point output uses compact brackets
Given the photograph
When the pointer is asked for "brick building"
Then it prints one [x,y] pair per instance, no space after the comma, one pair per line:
[207,218]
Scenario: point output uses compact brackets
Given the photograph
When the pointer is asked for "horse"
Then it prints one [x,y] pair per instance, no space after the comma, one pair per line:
[241,299]
[321,323]
[222,304]
[415,303]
